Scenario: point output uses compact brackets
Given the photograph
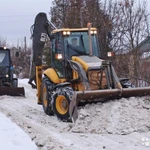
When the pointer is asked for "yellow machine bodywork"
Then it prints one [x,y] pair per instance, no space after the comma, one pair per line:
[92,75]
[76,73]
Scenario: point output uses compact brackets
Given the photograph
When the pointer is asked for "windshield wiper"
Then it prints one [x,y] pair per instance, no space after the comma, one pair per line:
[76,50]
[83,44]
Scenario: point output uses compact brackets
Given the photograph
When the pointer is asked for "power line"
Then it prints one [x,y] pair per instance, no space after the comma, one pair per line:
[15,21]
[17,15]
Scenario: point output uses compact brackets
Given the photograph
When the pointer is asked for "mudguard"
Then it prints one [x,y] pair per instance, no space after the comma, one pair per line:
[52,75]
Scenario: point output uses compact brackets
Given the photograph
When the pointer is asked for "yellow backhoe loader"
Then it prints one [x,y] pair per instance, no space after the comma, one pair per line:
[76,73]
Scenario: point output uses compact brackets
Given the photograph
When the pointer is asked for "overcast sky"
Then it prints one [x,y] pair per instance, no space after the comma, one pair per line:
[17,16]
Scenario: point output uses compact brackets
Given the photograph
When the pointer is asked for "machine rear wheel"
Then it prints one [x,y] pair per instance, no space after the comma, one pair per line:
[15,83]
[46,90]
[61,101]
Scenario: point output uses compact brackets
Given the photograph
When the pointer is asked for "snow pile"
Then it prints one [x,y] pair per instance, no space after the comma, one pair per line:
[122,116]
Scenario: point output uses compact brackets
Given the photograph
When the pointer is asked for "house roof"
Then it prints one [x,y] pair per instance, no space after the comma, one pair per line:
[147,40]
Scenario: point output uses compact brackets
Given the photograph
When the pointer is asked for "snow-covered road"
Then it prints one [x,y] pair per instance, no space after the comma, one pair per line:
[12,137]
[117,125]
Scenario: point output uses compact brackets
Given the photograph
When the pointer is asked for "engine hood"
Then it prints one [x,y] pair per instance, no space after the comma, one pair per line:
[88,62]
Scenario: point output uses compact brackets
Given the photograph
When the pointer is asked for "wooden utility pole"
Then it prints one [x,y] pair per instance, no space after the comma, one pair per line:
[25,44]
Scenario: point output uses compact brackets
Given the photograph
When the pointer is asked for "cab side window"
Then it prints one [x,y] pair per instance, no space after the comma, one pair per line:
[57,55]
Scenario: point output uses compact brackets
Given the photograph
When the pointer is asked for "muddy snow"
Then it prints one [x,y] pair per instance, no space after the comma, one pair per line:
[117,125]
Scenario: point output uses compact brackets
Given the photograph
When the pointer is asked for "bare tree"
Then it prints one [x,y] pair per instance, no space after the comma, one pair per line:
[2,42]
[130,27]
[77,13]
[127,20]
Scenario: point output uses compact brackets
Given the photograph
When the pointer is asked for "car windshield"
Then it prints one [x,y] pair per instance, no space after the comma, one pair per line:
[77,43]
[4,59]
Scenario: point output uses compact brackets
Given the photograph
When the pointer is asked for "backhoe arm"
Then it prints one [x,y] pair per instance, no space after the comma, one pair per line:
[40,30]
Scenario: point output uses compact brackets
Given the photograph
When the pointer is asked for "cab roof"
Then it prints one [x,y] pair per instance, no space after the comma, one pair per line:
[72,30]
[4,48]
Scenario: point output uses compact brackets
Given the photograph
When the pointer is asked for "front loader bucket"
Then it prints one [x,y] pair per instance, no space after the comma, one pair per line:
[12,91]
[103,95]
[112,93]
[129,92]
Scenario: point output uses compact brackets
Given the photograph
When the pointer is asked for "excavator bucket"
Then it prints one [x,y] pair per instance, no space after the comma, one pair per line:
[12,91]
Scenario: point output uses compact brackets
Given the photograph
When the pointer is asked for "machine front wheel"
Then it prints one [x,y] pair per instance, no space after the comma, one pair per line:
[15,82]
[61,101]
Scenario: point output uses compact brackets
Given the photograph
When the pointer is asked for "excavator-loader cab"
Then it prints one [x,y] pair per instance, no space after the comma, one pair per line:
[64,48]
[8,79]
[6,69]
[77,72]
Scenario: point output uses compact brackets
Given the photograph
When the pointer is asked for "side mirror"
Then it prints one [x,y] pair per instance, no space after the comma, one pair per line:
[109,35]
[17,54]
[52,37]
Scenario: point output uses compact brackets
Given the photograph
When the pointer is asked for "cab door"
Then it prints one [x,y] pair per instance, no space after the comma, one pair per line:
[57,55]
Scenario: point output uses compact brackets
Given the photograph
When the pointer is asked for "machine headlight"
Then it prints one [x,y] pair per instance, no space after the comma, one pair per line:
[93,32]
[66,32]
[58,56]
[7,75]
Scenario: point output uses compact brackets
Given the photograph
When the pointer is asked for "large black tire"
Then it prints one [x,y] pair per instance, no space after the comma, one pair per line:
[60,103]
[126,83]
[46,92]
[15,82]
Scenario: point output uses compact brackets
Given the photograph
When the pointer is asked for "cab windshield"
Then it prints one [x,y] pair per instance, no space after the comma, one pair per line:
[4,59]
[77,43]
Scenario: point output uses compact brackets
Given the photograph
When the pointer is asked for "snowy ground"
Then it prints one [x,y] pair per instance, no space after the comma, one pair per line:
[115,125]
[12,137]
